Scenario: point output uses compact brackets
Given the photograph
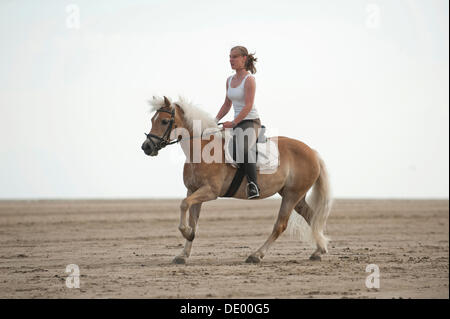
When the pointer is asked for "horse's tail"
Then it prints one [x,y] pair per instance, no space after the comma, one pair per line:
[320,202]
[318,206]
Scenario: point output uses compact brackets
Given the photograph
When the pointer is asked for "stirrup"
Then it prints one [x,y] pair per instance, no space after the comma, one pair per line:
[254,193]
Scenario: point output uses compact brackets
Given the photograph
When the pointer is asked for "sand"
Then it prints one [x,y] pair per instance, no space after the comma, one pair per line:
[124,249]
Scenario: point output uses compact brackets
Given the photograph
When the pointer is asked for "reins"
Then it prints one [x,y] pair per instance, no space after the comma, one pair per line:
[164,140]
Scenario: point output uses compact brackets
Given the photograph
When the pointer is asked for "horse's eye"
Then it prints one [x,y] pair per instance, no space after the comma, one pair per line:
[164,121]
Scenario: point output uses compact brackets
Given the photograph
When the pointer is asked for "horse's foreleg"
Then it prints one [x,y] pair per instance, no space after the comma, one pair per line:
[193,204]
[287,205]
[201,195]
[194,213]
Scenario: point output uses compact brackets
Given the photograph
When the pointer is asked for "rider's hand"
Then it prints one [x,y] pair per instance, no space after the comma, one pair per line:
[228,124]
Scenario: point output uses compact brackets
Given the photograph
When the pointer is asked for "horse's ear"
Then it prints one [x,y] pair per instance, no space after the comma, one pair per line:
[179,108]
[166,102]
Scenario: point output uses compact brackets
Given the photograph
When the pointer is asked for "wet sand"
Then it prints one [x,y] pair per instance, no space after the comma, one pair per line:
[124,249]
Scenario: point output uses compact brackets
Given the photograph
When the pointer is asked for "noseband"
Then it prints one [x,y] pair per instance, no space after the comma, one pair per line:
[164,140]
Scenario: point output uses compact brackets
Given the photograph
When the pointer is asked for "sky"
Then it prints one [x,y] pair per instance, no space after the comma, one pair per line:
[365,83]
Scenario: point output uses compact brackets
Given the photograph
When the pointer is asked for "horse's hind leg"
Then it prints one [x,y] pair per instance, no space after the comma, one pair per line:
[304,210]
[194,213]
[307,213]
[287,205]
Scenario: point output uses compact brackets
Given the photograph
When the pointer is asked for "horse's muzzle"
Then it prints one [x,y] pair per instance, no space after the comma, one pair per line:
[148,149]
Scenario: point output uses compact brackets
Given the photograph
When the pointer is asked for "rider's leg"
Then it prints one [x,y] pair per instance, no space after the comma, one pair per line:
[246,153]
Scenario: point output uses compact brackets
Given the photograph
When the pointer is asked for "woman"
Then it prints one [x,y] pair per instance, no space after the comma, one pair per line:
[241,94]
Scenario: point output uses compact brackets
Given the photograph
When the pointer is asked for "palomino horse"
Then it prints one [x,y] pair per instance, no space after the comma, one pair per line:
[300,169]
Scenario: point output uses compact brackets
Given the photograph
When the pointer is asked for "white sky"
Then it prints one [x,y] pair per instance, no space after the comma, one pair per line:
[363,82]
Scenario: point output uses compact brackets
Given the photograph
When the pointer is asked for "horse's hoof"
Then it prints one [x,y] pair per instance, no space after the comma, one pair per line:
[179,260]
[315,258]
[253,260]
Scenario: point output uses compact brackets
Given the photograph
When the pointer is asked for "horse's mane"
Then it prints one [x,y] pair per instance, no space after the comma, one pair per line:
[191,112]
[156,103]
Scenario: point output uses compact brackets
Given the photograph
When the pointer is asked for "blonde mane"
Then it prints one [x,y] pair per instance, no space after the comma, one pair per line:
[191,112]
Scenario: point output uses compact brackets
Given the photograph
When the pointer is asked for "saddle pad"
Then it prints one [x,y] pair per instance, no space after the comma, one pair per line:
[268,158]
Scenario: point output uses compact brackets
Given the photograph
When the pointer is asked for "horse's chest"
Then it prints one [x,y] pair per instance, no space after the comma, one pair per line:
[190,176]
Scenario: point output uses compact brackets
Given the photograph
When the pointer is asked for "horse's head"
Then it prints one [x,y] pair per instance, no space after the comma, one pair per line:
[164,122]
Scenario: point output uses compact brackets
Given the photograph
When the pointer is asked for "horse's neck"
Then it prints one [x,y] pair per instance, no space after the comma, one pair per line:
[193,147]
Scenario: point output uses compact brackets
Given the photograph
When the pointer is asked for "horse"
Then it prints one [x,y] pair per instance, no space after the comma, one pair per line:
[300,169]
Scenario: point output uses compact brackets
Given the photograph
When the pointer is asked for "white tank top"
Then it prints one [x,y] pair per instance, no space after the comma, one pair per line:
[237,96]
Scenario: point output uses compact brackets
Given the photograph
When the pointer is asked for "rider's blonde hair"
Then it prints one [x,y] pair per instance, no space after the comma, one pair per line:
[251,59]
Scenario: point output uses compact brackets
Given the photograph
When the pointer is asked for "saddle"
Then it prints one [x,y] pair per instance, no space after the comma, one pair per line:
[267,158]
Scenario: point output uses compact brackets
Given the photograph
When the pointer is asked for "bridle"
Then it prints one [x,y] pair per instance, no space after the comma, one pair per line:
[164,140]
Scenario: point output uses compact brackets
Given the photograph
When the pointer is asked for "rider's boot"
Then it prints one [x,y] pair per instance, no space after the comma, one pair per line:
[252,190]
[252,186]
